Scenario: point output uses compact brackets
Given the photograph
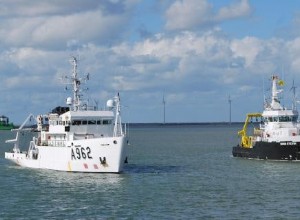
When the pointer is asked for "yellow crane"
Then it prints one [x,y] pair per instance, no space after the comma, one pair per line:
[246,141]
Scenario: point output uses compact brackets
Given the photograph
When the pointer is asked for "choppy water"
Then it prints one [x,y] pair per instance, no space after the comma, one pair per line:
[174,172]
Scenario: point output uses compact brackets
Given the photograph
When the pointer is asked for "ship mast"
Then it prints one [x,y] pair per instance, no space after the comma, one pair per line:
[76,82]
[275,104]
[76,86]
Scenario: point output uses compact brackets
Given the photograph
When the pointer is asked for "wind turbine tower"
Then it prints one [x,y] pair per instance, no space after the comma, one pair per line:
[293,89]
[229,101]
[164,103]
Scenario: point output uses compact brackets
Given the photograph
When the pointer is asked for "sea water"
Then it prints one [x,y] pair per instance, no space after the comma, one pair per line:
[174,172]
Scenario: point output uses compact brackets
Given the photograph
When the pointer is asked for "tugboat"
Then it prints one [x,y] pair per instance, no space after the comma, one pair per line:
[76,138]
[278,134]
[4,123]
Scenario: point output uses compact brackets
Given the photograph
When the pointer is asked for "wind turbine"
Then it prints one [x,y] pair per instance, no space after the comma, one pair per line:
[164,103]
[229,101]
[293,88]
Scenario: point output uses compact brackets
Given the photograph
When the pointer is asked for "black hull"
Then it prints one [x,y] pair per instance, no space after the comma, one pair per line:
[271,151]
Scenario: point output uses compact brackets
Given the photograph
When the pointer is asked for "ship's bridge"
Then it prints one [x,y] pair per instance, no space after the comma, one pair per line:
[280,124]
[82,123]
[86,115]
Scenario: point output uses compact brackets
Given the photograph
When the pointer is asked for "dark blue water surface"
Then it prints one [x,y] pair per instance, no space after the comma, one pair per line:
[174,172]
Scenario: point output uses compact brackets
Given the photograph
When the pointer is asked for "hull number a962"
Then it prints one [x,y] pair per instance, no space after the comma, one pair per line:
[81,153]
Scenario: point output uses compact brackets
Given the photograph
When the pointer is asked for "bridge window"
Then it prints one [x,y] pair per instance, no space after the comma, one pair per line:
[76,122]
[281,119]
[92,122]
[107,122]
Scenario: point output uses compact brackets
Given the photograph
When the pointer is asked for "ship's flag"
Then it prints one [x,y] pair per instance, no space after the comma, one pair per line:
[281,83]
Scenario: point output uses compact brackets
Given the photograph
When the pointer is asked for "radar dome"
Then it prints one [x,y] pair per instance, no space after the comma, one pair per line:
[110,103]
[69,101]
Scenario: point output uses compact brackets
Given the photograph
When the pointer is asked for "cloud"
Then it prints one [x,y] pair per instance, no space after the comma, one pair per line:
[54,24]
[193,14]
[208,65]
[248,48]
[236,10]
[187,14]
[292,54]
[193,69]
[42,8]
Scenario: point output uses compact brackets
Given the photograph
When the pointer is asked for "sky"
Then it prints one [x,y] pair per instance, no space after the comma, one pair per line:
[194,53]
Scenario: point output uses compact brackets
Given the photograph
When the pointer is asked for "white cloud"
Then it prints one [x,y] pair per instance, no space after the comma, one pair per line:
[193,69]
[184,44]
[186,14]
[52,24]
[293,54]
[180,65]
[42,8]
[236,10]
[247,48]
[91,26]
[193,14]
[21,81]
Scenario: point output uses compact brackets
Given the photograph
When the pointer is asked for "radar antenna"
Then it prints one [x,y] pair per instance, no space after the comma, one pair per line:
[76,83]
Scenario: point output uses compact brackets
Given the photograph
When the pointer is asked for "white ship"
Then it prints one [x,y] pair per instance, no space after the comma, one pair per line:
[77,138]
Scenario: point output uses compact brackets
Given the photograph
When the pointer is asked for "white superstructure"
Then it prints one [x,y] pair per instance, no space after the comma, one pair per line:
[280,124]
[77,138]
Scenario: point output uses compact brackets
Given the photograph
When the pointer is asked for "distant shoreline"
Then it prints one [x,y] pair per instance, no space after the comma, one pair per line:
[182,123]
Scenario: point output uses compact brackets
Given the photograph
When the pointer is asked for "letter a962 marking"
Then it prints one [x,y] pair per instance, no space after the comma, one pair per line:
[81,153]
